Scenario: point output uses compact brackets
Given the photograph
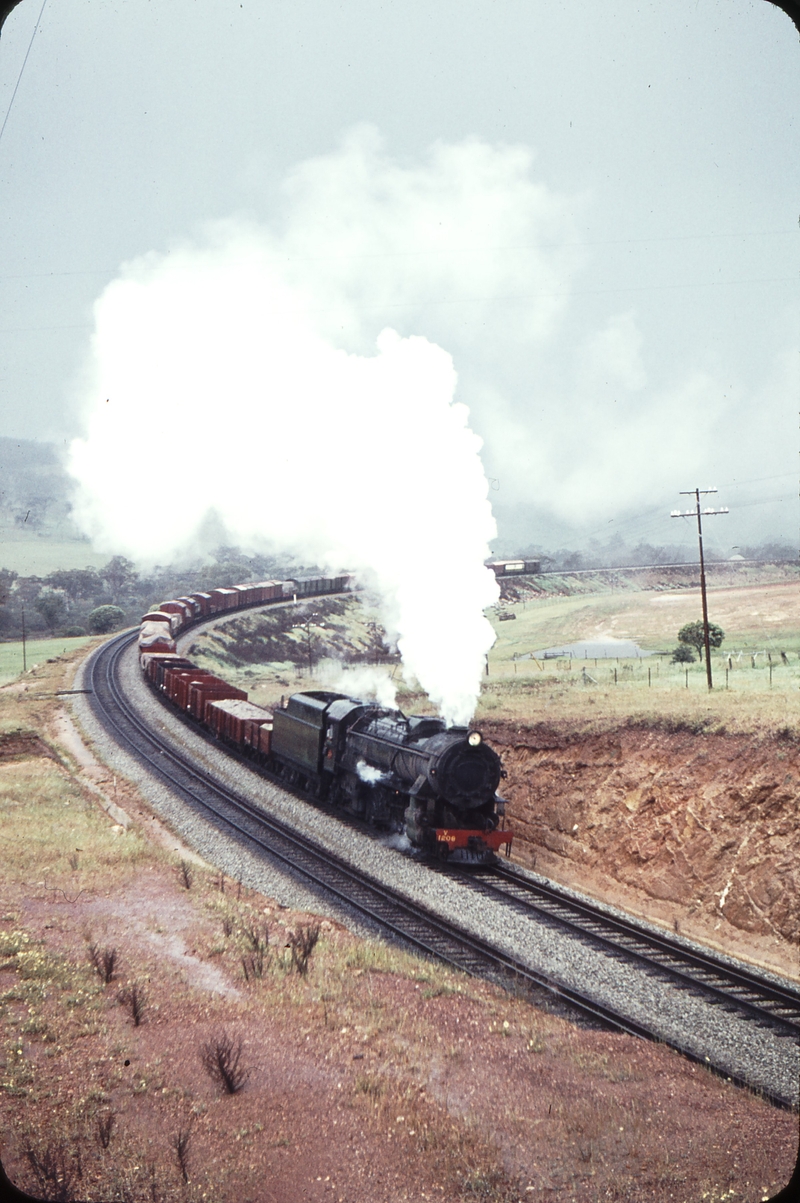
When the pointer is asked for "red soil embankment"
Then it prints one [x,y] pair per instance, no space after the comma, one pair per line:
[696,830]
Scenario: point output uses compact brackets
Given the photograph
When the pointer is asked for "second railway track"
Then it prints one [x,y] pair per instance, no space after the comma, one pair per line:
[730,1019]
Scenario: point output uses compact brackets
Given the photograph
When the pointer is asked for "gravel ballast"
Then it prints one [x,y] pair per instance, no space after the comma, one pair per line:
[737,1046]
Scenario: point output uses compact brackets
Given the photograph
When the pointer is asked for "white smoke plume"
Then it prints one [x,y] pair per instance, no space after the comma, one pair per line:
[369,774]
[216,388]
[362,681]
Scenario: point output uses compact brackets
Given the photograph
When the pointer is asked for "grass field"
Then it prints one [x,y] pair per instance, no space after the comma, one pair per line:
[38,651]
[760,622]
[38,556]
[759,618]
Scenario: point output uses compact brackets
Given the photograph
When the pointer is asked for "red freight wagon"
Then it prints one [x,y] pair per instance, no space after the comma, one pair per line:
[204,602]
[183,690]
[192,606]
[223,599]
[172,620]
[160,668]
[265,738]
[270,590]
[237,721]
[155,636]
[248,594]
[175,607]
[210,690]
[176,683]
[153,661]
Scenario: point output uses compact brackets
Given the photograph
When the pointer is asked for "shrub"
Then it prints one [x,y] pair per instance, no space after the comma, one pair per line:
[104,619]
[74,632]
[180,1143]
[253,964]
[302,945]
[683,654]
[105,1126]
[133,997]
[221,1059]
[56,1171]
[104,962]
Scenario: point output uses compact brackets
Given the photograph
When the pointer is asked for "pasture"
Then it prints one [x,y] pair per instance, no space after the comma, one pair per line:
[37,555]
[756,672]
[37,651]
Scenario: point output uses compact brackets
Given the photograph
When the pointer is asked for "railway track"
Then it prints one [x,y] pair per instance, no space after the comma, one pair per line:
[735,987]
[420,927]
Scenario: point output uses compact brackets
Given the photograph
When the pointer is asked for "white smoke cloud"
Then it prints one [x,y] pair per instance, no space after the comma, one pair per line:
[357,460]
[361,681]
[369,773]
[464,243]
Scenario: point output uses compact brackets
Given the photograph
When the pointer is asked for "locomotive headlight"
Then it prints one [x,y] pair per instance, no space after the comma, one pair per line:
[474,738]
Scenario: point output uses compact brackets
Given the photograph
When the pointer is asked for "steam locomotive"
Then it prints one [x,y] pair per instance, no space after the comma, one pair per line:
[408,774]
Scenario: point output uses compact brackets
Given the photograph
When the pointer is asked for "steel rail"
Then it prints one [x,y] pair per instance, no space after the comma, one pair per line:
[731,986]
[410,922]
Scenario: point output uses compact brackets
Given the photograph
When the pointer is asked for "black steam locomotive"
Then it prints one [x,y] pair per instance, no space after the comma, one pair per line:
[413,775]
[408,774]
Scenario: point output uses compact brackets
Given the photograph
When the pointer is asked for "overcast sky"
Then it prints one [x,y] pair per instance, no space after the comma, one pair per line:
[592,209]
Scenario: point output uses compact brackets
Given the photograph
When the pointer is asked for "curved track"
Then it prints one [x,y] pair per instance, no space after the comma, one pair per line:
[423,930]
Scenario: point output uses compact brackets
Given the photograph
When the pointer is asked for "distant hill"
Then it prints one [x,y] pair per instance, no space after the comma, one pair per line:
[35,490]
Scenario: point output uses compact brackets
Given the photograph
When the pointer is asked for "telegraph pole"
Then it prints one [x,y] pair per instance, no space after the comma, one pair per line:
[695,513]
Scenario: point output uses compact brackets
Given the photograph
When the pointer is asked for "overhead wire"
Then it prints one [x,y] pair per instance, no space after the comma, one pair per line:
[22,68]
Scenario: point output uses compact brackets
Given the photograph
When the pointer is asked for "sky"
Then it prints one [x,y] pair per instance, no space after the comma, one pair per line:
[591,209]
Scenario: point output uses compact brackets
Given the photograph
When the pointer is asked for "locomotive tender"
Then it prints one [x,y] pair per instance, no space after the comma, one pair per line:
[404,774]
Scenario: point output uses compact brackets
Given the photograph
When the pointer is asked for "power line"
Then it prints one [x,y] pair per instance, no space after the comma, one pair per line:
[699,514]
[22,68]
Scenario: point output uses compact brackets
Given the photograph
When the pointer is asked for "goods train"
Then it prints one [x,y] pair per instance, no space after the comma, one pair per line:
[414,775]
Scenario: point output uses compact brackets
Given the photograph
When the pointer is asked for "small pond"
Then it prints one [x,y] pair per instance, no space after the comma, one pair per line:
[592,649]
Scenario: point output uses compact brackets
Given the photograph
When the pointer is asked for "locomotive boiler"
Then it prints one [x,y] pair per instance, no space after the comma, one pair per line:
[412,774]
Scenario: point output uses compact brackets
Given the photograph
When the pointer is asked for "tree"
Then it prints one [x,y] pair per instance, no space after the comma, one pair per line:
[692,636]
[119,574]
[52,605]
[7,579]
[105,619]
[79,583]
[683,654]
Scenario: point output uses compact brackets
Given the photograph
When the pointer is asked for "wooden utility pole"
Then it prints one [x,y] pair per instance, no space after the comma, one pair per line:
[695,513]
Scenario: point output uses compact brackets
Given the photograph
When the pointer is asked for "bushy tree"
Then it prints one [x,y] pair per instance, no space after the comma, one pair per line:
[79,583]
[105,619]
[692,636]
[52,605]
[119,574]
[683,654]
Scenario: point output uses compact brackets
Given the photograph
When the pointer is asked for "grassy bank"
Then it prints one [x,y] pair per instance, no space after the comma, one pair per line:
[37,652]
